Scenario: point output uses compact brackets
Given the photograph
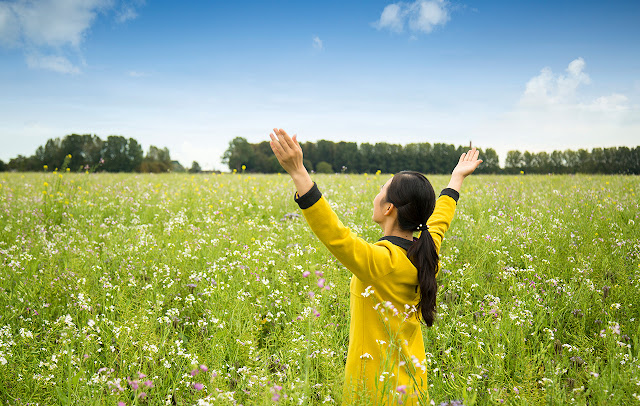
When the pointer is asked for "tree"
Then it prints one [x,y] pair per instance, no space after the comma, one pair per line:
[3,166]
[239,153]
[157,160]
[490,161]
[514,161]
[195,167]
[176,167]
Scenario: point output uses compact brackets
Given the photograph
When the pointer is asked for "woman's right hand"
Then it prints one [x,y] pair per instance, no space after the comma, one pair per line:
[288,151]
[289,154]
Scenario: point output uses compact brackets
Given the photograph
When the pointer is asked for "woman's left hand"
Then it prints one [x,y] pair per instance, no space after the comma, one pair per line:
[288,151]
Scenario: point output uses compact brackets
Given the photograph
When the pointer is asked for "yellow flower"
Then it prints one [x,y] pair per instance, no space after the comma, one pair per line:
[378,172]
[68,169]
[521,172]
[46,184]
[235,170]
[244,167]
[69,156]
[46,167]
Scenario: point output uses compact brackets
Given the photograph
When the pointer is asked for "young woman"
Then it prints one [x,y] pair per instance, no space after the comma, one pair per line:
[393,285]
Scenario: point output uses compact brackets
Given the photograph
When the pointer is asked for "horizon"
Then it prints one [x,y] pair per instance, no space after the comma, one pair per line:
[532,76]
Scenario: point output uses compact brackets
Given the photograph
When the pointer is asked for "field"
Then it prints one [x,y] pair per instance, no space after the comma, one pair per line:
[191,289]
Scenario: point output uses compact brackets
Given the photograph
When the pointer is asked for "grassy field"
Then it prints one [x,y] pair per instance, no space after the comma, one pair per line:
[181,289]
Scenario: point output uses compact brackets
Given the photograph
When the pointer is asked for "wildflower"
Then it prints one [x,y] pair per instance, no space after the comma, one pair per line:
[203,368]
[402,389]
[306,274]
[311,294]
[316,313]
[194,372]
[142,395]
[321,283]
[319,274]
[366,355]
[198,386]
[119,403]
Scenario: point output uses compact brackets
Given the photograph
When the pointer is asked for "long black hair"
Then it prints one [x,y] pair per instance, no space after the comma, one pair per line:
[413,196]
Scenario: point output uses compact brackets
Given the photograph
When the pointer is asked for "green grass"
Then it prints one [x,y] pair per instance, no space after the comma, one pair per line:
[107,276]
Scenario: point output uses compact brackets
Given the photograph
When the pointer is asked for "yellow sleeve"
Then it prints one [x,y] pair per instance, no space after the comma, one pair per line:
[441,218]
[366,261]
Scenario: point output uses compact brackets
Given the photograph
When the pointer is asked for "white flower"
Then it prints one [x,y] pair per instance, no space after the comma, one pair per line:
[366,355]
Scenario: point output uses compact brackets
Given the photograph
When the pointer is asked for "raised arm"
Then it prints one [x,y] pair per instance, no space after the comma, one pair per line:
[366,261]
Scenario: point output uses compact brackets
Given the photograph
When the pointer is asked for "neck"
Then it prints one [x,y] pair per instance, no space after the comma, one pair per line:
[391,230]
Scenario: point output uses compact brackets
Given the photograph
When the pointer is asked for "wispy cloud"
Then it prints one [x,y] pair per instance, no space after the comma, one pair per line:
[419,16]
[317,43]
[55,63]
[54,27]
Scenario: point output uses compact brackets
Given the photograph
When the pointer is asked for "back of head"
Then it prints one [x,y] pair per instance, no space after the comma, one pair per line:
[413,197]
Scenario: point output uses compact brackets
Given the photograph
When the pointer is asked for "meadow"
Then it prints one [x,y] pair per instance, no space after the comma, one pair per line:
[210,289]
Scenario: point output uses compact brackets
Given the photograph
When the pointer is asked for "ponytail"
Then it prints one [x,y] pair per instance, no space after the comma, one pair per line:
[413,196]
[424,257]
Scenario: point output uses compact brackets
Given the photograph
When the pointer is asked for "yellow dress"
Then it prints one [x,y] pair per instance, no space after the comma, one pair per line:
[386,358]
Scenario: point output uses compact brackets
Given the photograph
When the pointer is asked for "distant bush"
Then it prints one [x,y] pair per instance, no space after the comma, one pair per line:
[324,167]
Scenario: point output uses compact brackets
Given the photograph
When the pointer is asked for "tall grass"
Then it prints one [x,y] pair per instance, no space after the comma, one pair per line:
[181,289]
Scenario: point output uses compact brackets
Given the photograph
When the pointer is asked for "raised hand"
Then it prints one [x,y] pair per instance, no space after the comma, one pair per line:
[467,164]
[287,150]
[289,154]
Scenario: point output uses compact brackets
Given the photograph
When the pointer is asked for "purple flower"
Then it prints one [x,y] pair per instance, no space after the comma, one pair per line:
[204,368]
[402,389]
[319,274]
[194,372]
[141,375]
[198,386]
[306,274]
[122,404]
[276,397]
[142,395]
[148,384]
[311,294]
[321,283]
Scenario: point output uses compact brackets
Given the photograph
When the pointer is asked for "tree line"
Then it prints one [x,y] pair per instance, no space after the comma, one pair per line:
[349,157]
[90,153]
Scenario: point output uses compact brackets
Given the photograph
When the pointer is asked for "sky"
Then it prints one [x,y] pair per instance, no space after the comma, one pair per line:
[191,76]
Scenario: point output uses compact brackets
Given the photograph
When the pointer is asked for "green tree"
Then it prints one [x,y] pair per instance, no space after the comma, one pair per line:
[195,167]
[514,162]
[157,160]
[3,166]
[490,161]
[239,153]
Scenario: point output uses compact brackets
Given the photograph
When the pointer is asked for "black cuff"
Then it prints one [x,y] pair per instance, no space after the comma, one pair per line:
[310,198]
[451,193]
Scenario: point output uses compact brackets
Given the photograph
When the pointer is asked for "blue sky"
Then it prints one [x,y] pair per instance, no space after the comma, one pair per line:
[191,76]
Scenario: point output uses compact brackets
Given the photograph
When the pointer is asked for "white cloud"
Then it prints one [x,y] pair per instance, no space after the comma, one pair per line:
[49,26]
[420,16]
[55,63]
[391,18]
[555,113]
[550,89]
[317,42]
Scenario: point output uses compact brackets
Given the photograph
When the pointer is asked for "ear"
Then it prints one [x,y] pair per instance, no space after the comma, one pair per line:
[389,208]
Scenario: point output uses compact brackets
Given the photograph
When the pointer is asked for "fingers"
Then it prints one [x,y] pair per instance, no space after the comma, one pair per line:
[285,139]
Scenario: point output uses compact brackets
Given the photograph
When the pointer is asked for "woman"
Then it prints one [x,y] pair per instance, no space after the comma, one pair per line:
[394,280]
